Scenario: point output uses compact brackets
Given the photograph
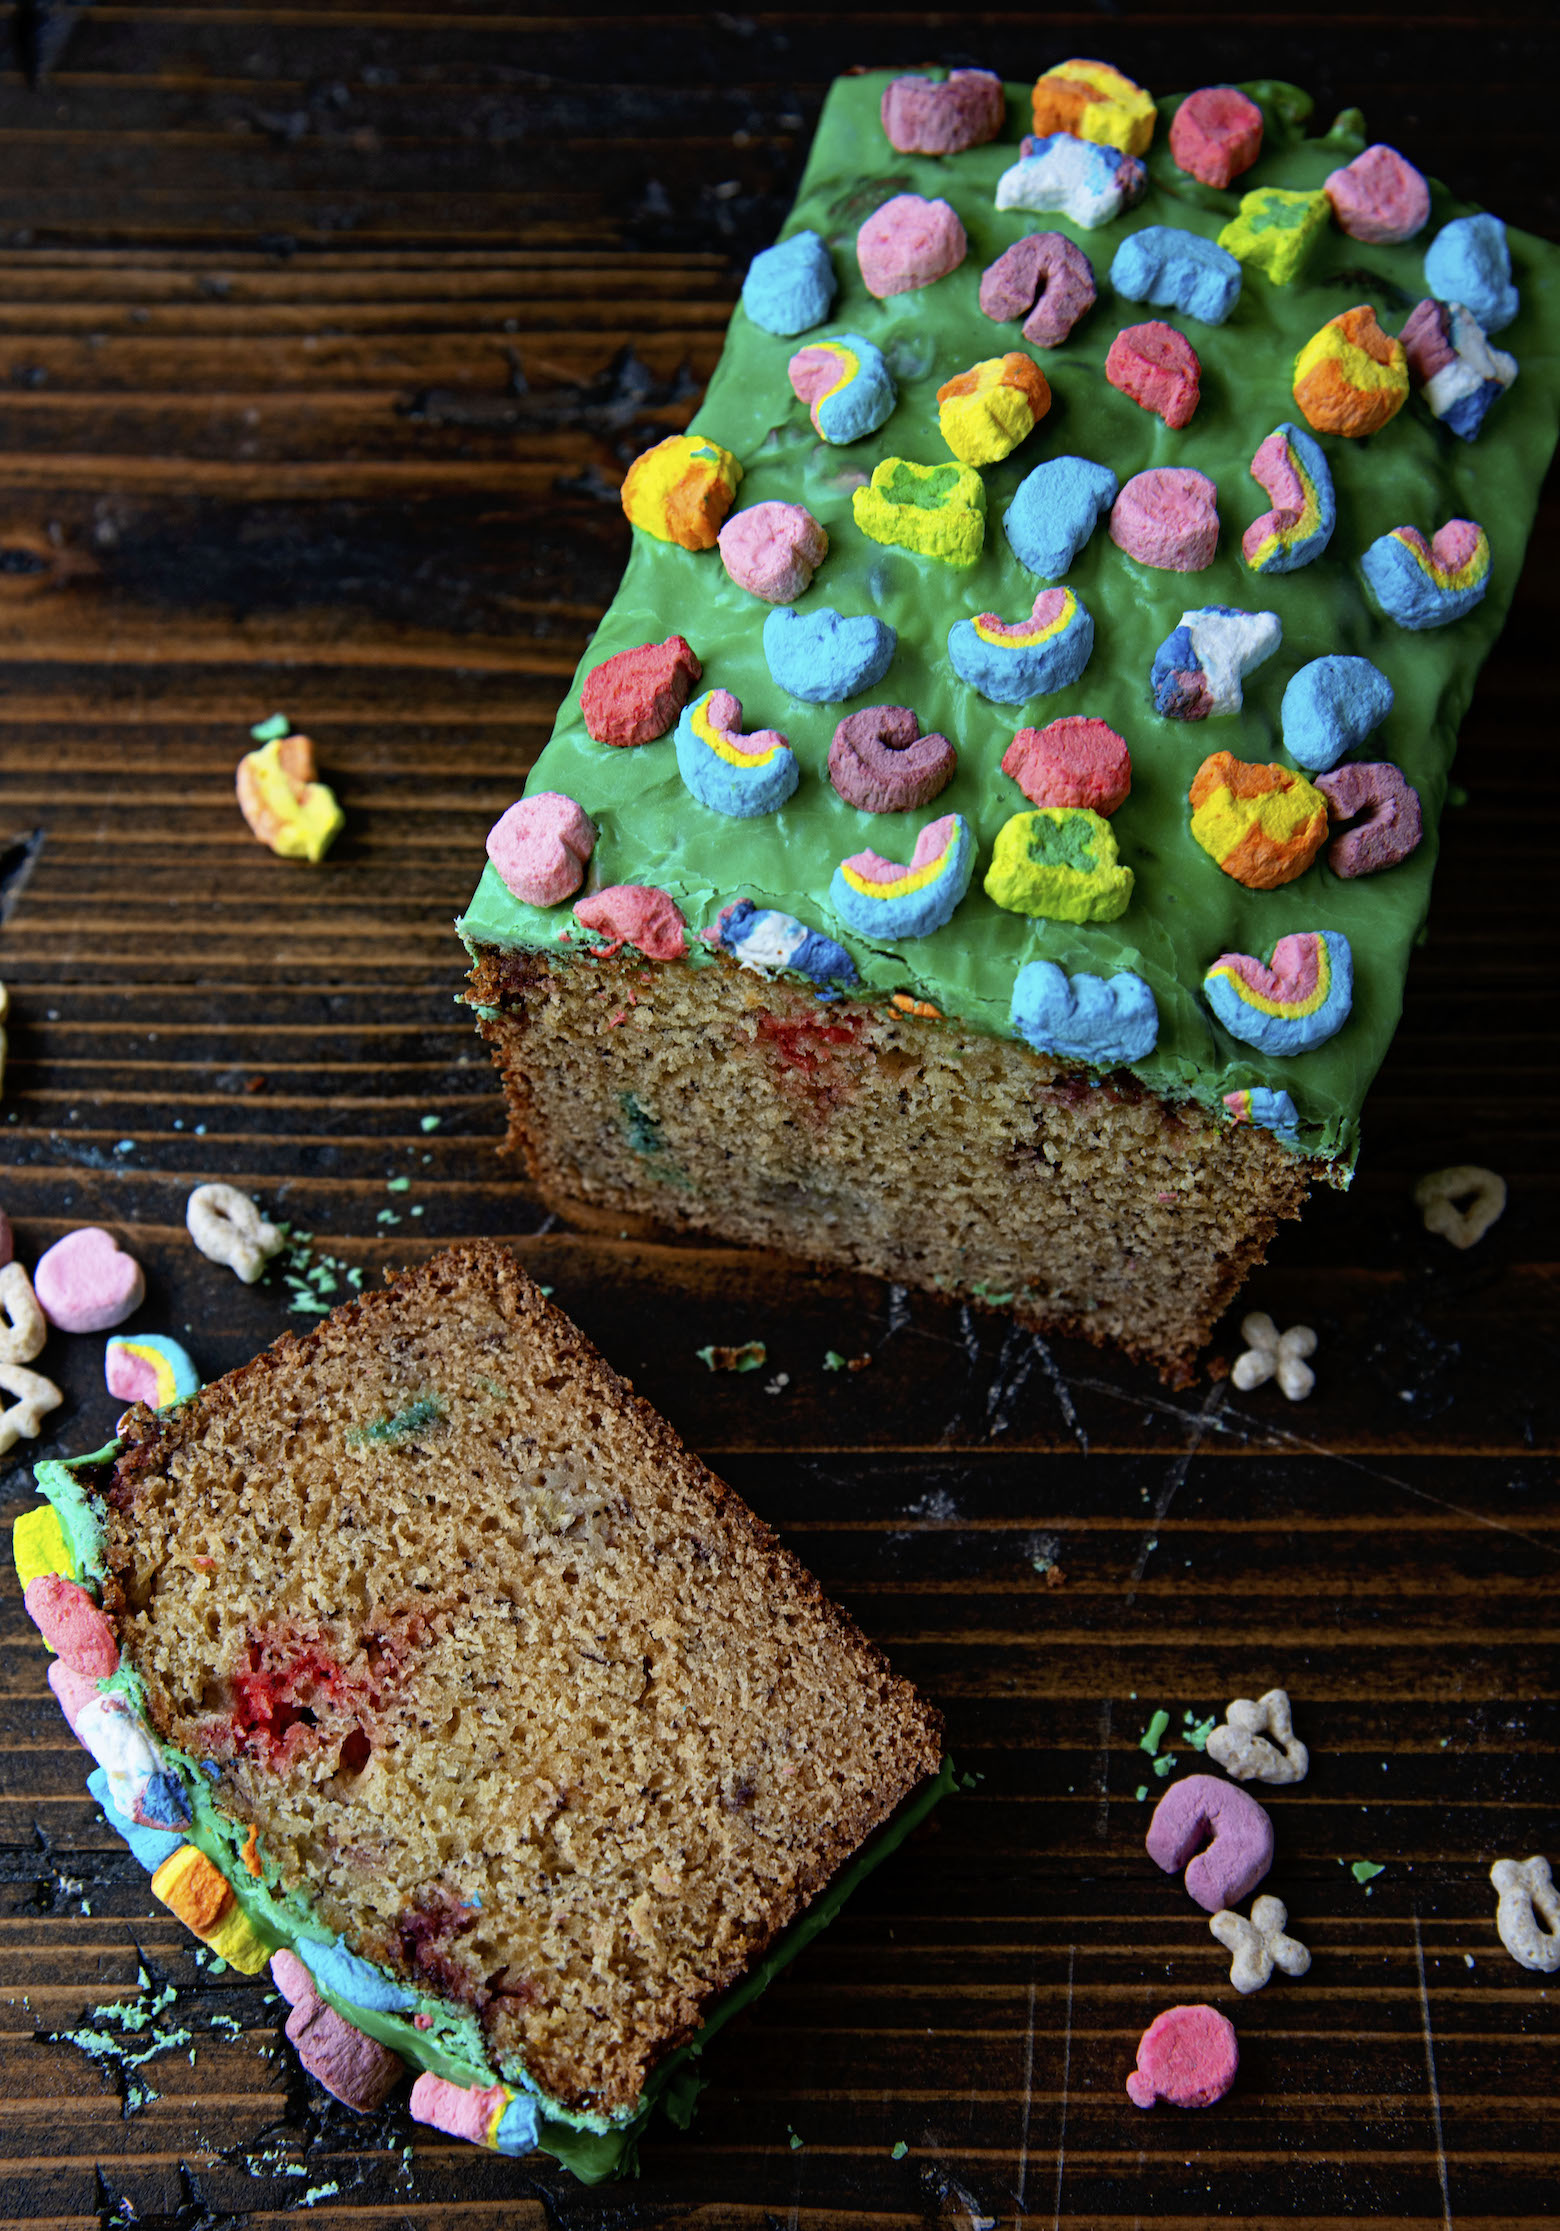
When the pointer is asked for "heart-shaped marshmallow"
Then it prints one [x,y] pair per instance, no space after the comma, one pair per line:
[86,1282]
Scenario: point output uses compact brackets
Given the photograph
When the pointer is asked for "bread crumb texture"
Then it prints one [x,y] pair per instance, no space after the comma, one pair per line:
[537,1712]
[880,1140]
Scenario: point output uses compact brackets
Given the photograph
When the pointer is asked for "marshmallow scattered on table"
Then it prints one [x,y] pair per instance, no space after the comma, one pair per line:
[87,1283]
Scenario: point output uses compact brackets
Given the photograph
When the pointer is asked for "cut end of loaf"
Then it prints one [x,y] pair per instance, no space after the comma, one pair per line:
[869,1137]
[533,1709]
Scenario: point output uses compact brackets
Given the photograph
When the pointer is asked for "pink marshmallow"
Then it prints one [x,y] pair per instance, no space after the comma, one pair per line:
[87,1283]
[353,2068]
[1378,197]
[635,914]
[72,1691]
[454,2109]
[924,117]
[909,243]
[1216,133]
[1241,1851]
[1073,762]
[540,847]
[71,1623]
[292,1978]
[772,549]
[1168,517]
[1187,2056]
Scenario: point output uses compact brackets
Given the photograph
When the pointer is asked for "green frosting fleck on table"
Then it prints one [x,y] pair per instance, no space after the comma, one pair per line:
[1184,912]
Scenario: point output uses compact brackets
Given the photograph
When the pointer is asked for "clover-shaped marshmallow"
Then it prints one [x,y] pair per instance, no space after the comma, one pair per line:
[1527,1892]
[1259,1945]
[1272,1355]
[1242,1748]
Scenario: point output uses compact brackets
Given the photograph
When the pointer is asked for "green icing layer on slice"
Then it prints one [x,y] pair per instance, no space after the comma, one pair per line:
[1184,910]
[450,2043]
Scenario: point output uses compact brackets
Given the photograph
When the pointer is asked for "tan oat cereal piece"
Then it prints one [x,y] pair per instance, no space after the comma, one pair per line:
[1274,1355]
[23,1326]
[1260,1944]
[1528,1901]
[1461,1203]
[1242,1748]
[228,1228]
[35,1397]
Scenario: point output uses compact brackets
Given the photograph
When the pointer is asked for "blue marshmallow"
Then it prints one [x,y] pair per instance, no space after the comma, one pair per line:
[1330,707]
[354,1980]
[149,1847]
[791,286]
[1178,270]
[824,657]
[762,938]
[1055,510]
[1468,262]
[1104,1020]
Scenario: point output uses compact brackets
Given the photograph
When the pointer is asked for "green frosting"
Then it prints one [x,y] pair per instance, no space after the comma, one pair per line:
[1184,910]
[451,2044]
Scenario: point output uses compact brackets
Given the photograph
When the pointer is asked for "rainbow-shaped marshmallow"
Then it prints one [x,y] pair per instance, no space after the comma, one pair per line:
[846,385]
[149,1368]
[1428,584]
[1271,1111]
[1294,1003]
[727,771]
[1291,470]
[882,899]
[1010,661]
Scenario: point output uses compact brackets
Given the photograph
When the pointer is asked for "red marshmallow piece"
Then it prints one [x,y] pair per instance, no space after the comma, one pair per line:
[1156,368]
[1073,762]
[637,696]
[72,1625]
[635,914]
[1187,2057]
[1168,517]
[1216,133]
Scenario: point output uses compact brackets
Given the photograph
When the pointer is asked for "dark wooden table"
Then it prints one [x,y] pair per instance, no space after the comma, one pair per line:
[325,335]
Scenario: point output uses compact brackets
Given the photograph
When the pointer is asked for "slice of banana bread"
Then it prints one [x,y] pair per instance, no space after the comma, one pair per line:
[489,1679]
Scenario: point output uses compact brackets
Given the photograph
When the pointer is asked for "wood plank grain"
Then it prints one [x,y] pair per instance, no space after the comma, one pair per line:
[325,337]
